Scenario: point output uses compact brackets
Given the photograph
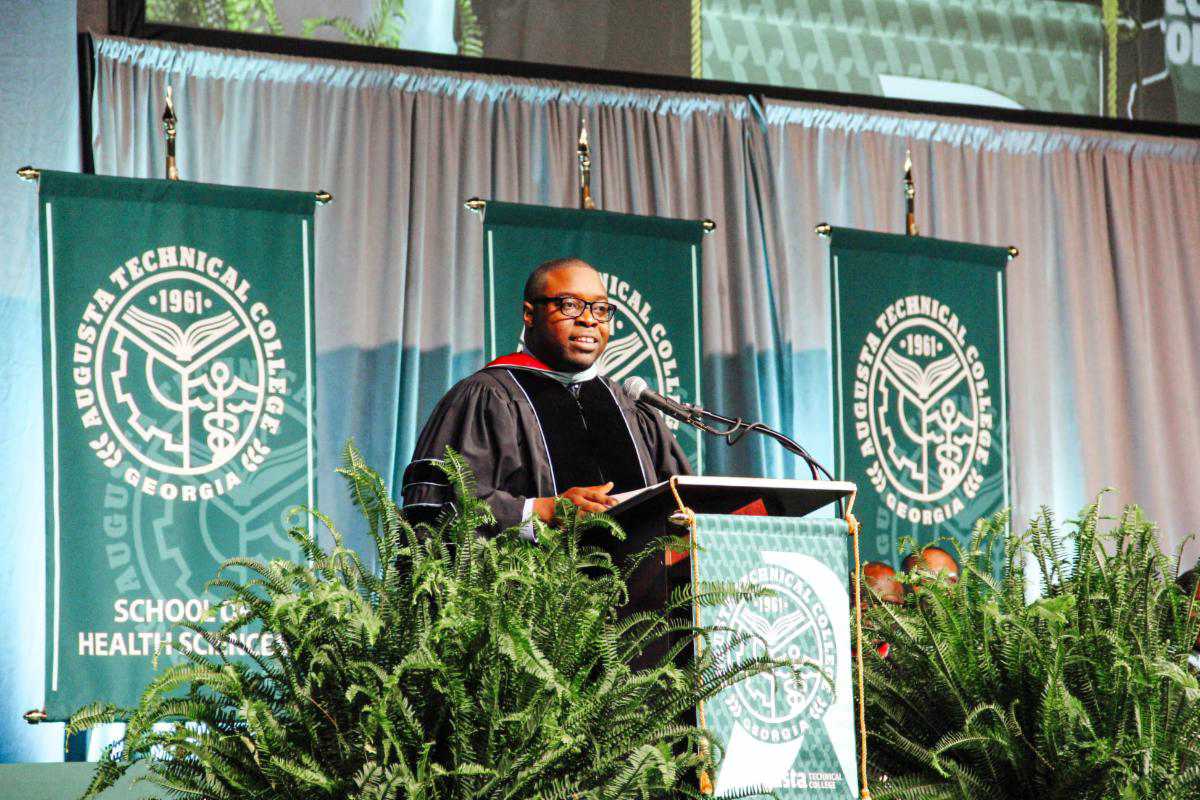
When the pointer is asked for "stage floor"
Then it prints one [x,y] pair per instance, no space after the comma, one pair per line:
[65,782]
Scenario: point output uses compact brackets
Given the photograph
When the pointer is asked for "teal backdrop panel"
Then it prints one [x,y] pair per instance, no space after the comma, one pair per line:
[651,268]
[178,353]
[920,385]
[796,738]
[1035,54]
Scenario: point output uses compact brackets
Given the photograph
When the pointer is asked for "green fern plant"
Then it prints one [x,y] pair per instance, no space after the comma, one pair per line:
[470,29]
[384,29]
[258,16]
[464,667]
[254,16]
[1083,693]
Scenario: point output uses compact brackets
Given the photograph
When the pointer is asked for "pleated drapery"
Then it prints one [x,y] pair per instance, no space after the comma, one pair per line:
[40,114]
[1103,341]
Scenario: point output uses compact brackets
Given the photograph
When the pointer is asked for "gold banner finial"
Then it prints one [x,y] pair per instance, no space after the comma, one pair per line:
[168,121]
[910,194]
[585,168]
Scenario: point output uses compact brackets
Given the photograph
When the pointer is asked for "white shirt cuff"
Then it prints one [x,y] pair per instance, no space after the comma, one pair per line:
[527,531]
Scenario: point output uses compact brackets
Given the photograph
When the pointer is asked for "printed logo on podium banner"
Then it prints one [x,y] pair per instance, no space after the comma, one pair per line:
[793,624]
[179,405]
[651,269]
[919,383]
[793,735]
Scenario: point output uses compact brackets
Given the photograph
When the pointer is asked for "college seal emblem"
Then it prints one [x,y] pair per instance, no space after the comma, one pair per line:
[923,411]
[179,377]
[791,624]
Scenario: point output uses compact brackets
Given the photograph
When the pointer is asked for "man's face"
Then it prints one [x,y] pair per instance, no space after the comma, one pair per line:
[563,343]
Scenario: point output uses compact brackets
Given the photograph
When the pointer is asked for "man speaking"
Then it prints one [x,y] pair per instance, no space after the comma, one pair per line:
[542,423]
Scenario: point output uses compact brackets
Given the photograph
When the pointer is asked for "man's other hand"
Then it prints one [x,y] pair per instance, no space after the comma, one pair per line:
[586,498]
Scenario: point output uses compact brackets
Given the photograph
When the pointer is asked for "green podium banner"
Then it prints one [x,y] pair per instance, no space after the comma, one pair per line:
[651,267]
[178,347]
[920,385]
[794,738]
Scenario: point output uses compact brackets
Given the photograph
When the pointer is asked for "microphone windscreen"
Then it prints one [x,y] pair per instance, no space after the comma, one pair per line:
[634,386]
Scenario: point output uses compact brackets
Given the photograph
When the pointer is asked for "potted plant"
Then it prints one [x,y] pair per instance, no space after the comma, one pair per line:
[1082,693]
[462,667]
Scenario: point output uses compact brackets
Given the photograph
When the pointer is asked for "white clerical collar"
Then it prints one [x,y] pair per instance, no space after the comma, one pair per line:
[567,378]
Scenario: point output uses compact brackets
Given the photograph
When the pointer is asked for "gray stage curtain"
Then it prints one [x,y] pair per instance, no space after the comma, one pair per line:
[1102,340]
[399,260]
[39,115]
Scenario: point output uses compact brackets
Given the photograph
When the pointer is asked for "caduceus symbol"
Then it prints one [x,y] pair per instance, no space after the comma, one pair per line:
[220,424]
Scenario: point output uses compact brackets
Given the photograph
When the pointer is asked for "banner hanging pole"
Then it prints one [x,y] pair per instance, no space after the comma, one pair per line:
[33,174]
[910,194]
[168,123]
[825,230]
[585,168]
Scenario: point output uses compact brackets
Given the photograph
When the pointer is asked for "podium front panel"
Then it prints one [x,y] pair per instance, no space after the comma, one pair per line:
[796,738]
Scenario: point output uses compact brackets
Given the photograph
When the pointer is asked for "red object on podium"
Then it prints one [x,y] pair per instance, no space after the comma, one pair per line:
[756,508]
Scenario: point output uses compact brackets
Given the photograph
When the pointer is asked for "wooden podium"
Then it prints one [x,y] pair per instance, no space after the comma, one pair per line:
[791,735]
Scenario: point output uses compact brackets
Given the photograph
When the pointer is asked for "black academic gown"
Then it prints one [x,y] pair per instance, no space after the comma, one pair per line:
[490,420]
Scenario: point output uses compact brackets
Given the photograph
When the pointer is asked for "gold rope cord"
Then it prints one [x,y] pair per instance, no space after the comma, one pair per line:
[706,785]
[853,529]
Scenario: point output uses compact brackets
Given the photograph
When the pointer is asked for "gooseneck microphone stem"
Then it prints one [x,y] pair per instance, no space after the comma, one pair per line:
[735,429]
[738,429]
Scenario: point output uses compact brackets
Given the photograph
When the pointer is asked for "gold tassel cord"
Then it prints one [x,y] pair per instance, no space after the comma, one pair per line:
[854,528]
[685,516]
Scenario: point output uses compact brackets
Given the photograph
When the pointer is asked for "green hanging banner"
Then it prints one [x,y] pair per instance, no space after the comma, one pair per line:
[178,347]
[920,385]
[796,738]
[651,267]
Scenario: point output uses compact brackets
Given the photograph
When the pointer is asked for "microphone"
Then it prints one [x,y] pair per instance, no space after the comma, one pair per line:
[636,389]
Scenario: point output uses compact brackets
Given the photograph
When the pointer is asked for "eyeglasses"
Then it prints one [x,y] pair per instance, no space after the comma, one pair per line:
[602,310]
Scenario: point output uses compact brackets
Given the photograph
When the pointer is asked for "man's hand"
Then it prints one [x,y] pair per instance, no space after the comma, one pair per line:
[586,498]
